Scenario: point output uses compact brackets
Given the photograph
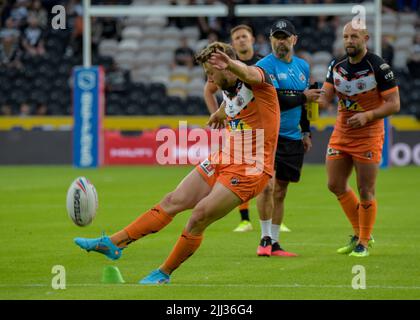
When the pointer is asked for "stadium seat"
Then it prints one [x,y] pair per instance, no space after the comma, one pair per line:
[128,45]
[192,33]
[153,32]
[171,33]
[126,60]
[132,32]
[108,47]
[406,30]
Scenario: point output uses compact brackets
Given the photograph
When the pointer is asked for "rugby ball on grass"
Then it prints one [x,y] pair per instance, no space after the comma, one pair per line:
[82,201]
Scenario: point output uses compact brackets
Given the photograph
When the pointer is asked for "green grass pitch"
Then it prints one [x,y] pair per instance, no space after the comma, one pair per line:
[36,234]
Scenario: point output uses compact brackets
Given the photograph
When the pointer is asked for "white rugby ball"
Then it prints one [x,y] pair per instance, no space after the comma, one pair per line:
[82,201]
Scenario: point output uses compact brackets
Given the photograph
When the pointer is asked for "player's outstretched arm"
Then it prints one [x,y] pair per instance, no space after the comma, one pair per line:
[209,91]
[248,74]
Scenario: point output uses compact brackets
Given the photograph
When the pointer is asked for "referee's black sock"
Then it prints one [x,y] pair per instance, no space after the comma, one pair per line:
[244,214]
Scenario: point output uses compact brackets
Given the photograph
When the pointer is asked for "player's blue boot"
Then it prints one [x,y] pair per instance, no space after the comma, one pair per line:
[155,277]
[102,245]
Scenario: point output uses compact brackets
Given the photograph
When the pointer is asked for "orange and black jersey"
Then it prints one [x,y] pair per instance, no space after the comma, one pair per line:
[360,87]
[255,58]
[253,109]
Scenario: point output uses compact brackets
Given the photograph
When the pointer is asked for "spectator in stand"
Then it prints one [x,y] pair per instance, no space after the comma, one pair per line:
[387,50]
[74,12]
[407,5]
[19,12]
[10,29]
[25,110]
[115,79]
[413,62]
[41,109]
[184,55]
[6,110]
[33,37]
[37,10]
[10,53]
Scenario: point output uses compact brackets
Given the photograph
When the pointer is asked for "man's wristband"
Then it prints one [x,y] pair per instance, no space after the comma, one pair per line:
[307,134]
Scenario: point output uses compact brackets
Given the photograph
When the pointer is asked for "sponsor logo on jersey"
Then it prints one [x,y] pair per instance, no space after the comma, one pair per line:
[238,124]
[207,167]
[342,71]
[384,66]
[282,76]
[349,105]
[361,73]
[234,181]
[389,76]
[333,152]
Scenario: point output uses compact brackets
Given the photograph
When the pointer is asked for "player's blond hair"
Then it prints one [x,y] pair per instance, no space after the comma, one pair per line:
[205,54]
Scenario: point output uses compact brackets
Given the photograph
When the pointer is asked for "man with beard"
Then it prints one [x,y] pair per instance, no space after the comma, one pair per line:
[290,75]
[367,91]
[226,178]
[242,41]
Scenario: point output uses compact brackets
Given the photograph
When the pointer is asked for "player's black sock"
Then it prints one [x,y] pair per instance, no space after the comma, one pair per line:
[244,214]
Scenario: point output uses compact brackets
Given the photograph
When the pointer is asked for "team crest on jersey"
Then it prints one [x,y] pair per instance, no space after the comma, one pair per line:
[272,77]
[361,85]
[240,100]
[337,82]
[235,104]
[302,77]
[349,105]
[369,155]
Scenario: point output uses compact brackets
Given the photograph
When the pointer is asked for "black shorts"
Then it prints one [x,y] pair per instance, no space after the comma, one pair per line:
[289,159]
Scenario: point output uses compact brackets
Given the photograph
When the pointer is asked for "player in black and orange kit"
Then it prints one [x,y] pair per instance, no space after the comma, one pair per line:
[242,42]
[227,178]
[367,91]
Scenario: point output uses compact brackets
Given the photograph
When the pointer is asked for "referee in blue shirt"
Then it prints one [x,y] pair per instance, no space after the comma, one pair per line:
[290,75]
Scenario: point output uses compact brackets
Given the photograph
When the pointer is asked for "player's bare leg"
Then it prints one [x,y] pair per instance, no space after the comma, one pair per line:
[265,208]
[339,171]
[219,202]
[187,194]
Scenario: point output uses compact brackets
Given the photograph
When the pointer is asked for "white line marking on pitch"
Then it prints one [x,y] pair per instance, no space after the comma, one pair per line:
[303,286]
